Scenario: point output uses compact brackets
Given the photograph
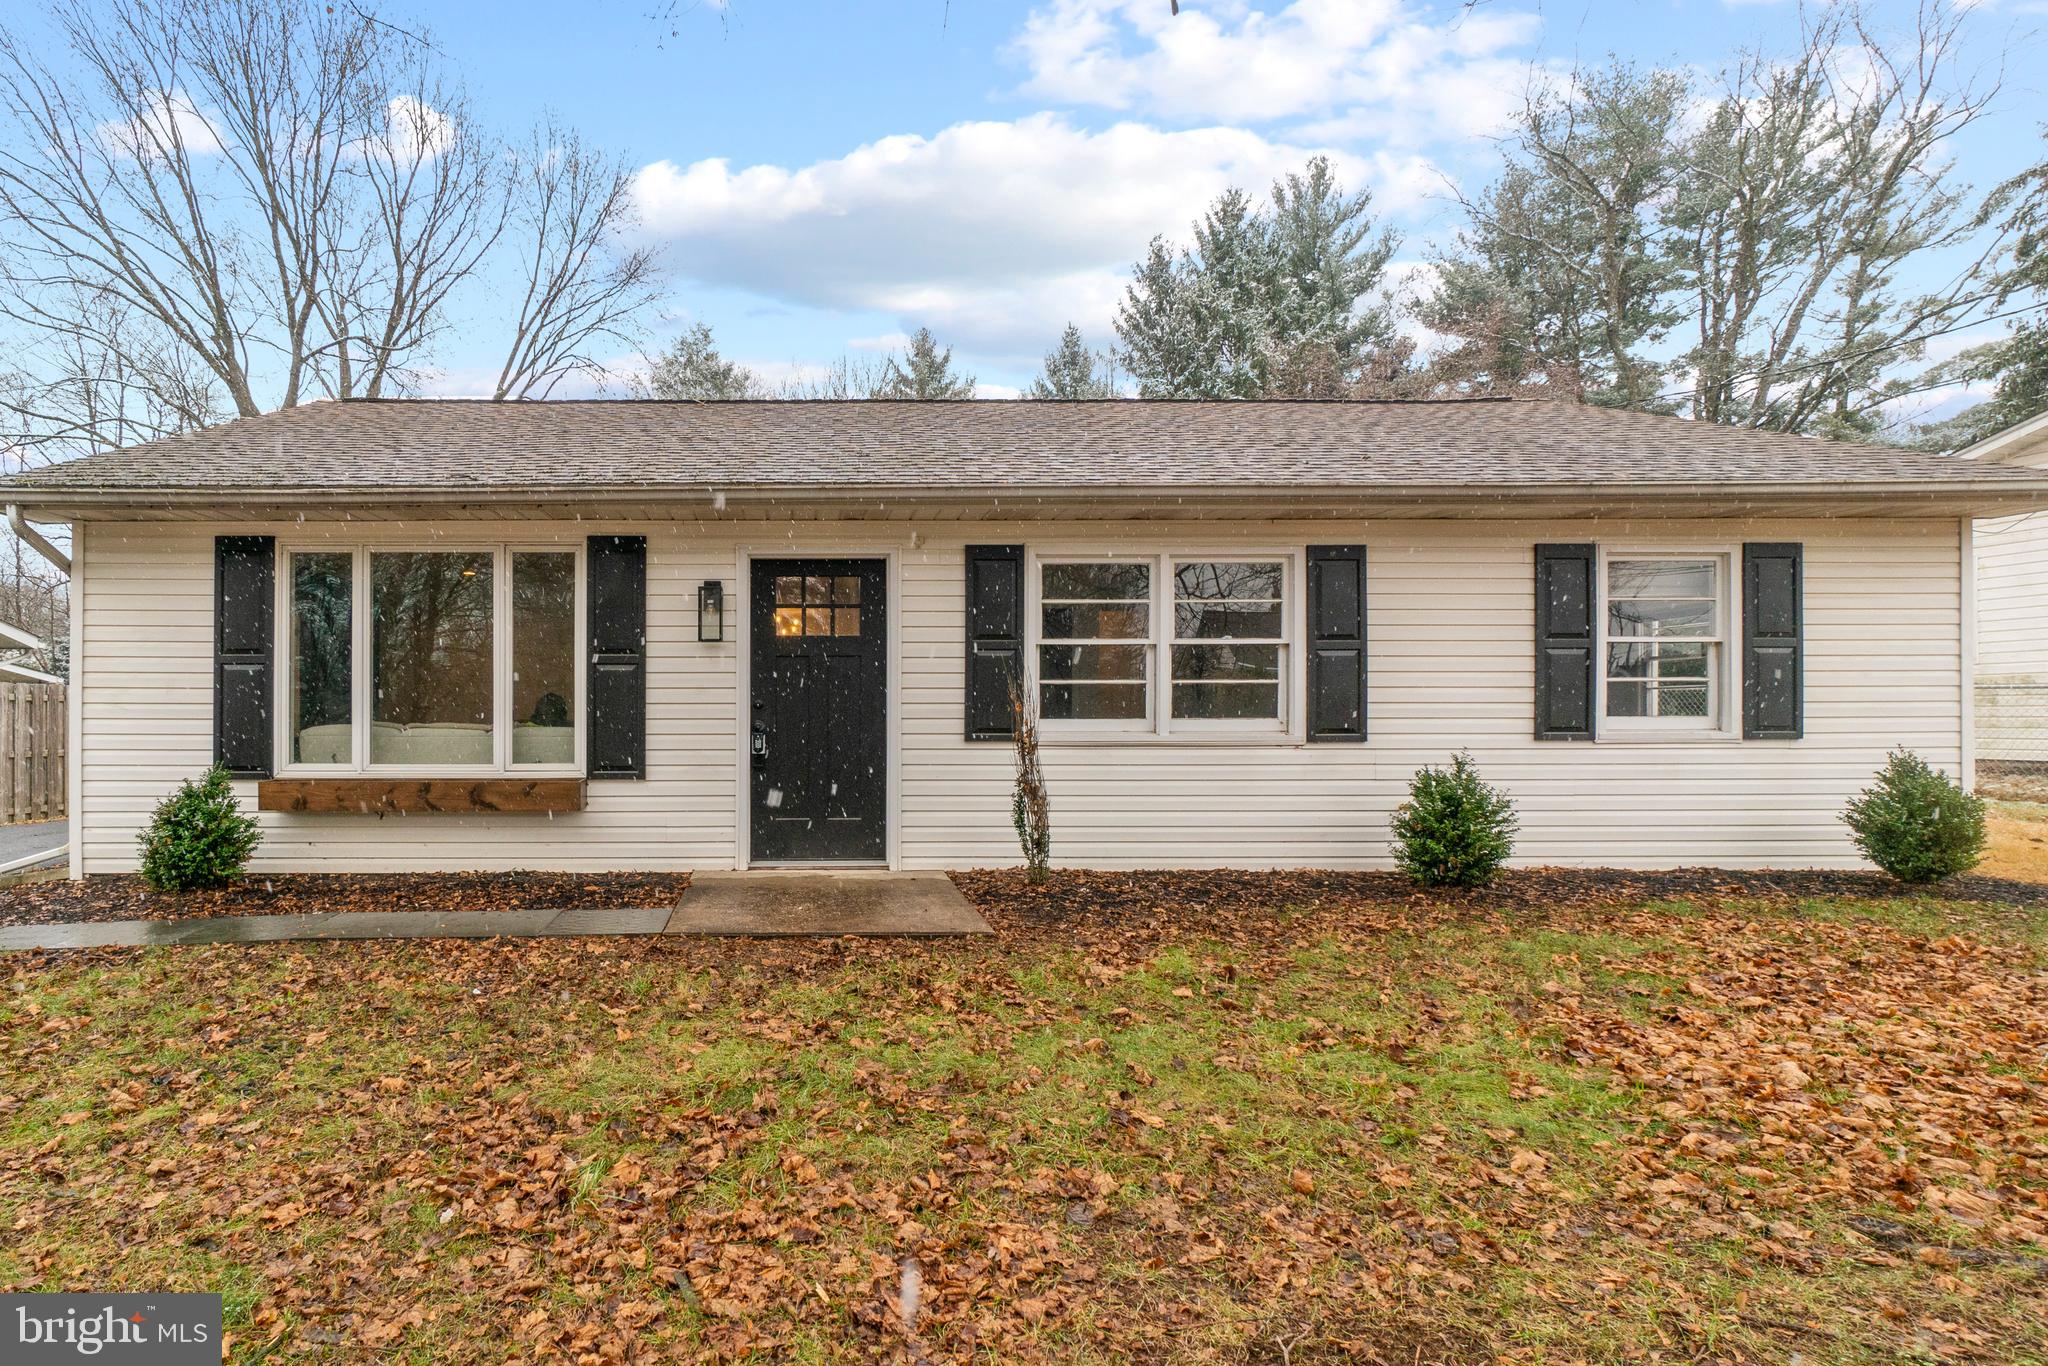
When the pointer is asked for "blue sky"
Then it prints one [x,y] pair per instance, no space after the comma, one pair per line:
[824,177]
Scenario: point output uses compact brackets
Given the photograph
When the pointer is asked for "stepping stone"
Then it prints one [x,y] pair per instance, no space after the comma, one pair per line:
[777,902]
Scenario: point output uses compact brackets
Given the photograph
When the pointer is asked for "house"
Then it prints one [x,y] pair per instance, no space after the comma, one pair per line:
[614,634]
[2012,614]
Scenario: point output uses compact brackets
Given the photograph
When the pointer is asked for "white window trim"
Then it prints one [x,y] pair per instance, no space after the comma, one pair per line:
[360,661]
[1150,645]
[1160,727]
[1277,725]
[1725,683]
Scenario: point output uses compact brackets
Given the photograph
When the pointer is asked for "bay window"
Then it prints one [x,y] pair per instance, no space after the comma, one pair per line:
[1665,623]
[411,660]
[1163,643]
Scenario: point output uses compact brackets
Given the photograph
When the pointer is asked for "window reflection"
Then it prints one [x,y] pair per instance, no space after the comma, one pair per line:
[431,664]
[543,658]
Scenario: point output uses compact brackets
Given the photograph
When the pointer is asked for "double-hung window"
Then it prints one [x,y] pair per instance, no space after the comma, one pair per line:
[1163,643]
[459,660]
[1665,621]
[1096,639]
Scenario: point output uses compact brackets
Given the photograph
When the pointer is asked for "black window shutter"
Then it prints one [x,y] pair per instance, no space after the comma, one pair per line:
[1564,642]
[1336,643]
[617,594]
[995,638]
[1773,641]
[244,626]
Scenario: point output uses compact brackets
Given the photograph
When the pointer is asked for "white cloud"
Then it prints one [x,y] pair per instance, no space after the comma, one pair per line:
[1377,68]
[167,120]
[413,133]
[994,234]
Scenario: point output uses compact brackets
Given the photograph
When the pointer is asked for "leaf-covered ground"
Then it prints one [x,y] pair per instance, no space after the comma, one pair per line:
[1290,1124]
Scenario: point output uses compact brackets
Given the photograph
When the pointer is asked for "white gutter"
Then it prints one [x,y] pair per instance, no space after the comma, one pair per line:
[37,541]
[31,860]
[2015,442]
[21,673]
[2014,482]
[19,639]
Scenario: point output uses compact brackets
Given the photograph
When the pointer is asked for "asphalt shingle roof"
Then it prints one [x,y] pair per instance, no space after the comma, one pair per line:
[418,444]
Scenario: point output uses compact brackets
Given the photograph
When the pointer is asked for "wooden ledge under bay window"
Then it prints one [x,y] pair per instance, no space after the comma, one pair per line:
[396,796]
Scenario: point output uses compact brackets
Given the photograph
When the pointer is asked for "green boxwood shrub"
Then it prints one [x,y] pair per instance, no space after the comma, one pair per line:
[1453,830]
[198,837]
[1916,822]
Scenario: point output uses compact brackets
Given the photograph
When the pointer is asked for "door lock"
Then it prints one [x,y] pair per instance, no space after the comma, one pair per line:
[758,746]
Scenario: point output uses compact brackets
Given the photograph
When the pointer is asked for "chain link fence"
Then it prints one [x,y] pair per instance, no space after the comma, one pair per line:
[2012,738]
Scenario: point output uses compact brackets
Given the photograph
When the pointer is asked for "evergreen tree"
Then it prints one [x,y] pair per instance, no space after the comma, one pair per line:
[1272,301]
[925,372]
[1327,265]
[1561,270]
[1756,240]
[693,369]
[2017,363]
[1072,371]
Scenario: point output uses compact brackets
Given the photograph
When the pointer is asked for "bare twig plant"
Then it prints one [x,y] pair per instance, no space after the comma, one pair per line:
[1030,808]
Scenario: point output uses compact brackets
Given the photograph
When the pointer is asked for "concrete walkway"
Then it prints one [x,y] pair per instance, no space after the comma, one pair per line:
[763,903]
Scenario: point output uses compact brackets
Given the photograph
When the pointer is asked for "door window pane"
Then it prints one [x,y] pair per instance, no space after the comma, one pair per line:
[543,658]
[323,649]
[431,658]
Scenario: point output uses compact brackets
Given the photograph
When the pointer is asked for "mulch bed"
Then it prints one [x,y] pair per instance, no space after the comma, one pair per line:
[124,896]
[1071,894]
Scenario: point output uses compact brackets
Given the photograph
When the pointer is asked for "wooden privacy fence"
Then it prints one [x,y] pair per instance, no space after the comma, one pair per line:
[32,731]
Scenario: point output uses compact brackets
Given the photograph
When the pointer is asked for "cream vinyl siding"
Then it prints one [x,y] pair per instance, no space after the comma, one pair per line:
[2012,628]
[2012,595]
[2012,586]
[1450,622]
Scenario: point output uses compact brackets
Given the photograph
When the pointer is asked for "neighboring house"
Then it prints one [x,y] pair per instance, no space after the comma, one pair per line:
[671,635]
[2012,612]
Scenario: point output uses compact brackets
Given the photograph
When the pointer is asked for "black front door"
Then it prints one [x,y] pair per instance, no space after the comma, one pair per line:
[819,740]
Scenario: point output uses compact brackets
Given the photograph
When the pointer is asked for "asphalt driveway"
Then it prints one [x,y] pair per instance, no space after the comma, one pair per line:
[32,837]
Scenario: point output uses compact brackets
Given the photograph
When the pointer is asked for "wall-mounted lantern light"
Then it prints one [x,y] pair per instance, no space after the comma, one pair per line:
[711,610]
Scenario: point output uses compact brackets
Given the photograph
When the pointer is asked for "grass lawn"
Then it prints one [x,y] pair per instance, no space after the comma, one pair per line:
[1304,1130]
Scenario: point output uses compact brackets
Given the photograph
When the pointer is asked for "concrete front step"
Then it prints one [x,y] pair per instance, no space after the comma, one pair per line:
[780,902]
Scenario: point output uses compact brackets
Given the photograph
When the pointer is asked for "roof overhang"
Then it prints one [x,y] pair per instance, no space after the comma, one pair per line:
[2014,443]
[2003,496]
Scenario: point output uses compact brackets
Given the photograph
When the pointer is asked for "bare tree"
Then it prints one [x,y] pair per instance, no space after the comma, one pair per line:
[238,205]
[436,193]
[571,208]
[1806,191]
[846,378]
[1777,220]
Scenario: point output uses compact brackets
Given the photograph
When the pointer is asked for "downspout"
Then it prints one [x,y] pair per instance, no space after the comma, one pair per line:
[36,540]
